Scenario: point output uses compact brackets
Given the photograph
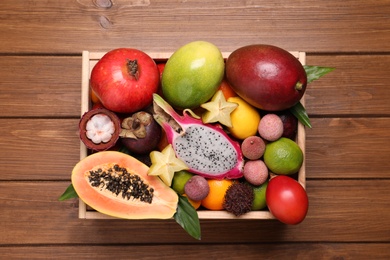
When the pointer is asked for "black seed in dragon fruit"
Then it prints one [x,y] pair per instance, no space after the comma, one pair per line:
[206,149]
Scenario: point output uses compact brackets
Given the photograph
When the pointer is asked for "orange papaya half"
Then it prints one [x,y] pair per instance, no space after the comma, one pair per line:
[117,184]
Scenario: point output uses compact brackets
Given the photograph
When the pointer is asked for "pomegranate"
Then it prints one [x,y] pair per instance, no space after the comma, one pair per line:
[125,79]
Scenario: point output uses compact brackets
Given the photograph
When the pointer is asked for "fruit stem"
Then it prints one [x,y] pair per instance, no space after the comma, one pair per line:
[298,86]
[136,124]
[132,68]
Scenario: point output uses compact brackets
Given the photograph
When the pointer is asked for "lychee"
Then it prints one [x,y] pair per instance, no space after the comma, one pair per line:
[197,188]
[255,172]
[253,147]
[270,127]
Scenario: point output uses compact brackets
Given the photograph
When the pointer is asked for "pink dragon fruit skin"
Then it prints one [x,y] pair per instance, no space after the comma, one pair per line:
[207,150]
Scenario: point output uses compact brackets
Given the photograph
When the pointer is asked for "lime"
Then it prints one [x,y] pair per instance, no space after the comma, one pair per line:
[259,196]
[180,178]
[283,156]
[192,74]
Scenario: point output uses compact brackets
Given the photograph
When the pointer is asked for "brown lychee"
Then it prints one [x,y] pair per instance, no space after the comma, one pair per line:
[197,188]
[270,127]
[255,172]
[253,147]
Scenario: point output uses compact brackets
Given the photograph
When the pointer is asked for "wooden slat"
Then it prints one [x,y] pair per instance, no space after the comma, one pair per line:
[210,251]
[339,211]
[359,85]
[348,148]
[40,86]
[311,26]
[48,149]
[38,149]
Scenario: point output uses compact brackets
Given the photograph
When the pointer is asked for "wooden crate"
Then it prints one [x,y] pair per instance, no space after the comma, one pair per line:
[89,59]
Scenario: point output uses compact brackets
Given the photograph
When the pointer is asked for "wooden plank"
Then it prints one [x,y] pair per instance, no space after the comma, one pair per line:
[40,86]
[38,149]
[339,211]
[311,26]
[48,149]
[44,86]
[359,86]
[348,148]
[209,251]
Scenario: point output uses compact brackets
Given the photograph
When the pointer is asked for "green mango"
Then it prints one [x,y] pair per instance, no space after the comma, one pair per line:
[192,74]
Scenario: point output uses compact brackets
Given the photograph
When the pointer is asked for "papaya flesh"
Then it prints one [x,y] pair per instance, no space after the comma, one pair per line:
[117,184]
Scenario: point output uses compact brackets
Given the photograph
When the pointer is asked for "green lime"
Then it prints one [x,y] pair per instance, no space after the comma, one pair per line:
[180,178]
[192,74]
[259,196]
[283,156]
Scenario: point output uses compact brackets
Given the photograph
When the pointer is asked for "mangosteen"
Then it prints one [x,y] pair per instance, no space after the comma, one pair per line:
[99,129]
[140,133]
[144,158]
[290,124]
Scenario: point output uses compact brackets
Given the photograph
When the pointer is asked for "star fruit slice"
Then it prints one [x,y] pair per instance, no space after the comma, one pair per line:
[165,164]
[218,110]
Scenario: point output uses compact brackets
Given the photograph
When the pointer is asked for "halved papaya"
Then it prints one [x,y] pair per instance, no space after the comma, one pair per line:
[117,184]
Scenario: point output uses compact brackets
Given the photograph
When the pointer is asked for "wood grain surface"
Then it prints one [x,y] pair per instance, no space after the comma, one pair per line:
[347,150]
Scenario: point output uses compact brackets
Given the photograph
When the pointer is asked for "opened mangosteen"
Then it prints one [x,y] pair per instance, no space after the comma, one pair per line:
[99,129]
[140,133]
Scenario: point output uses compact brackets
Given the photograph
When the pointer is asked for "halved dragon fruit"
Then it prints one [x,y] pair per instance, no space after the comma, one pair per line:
[207,150]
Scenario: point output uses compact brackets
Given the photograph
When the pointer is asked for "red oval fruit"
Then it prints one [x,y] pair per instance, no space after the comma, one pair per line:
[161,67]
[266,76]
[125,79]
[287,200]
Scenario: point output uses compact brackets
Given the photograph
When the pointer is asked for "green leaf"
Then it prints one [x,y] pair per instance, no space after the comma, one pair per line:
[123,149]
[313,73]
[316,72]
[187,217]
[299,111]
[69,193]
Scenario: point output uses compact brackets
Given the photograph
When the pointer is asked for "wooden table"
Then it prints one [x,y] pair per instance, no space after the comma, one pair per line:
[347,150]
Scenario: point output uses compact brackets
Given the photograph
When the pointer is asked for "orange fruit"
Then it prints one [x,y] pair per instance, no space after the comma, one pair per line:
[227,90]
[245,119]
[195,204]
[215,198]
[94,98]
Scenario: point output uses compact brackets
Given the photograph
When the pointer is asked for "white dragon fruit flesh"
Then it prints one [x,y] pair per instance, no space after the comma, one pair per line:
[207,150]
